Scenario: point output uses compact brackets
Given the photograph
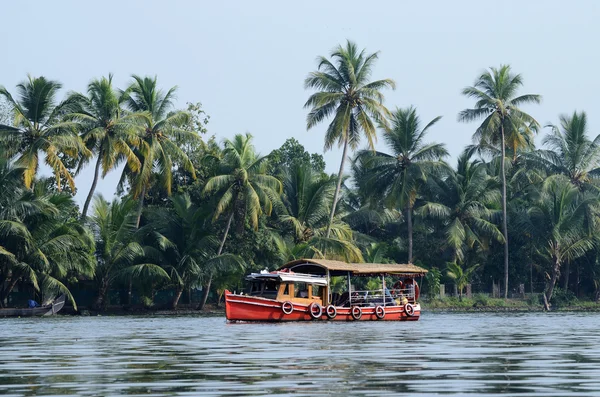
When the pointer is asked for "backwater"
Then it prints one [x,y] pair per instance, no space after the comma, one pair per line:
[451,354]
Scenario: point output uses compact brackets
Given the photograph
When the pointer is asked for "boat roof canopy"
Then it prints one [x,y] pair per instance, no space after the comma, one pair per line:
[337,268]
[288,277]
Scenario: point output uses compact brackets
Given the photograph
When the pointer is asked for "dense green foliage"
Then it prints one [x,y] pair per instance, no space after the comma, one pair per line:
[200,212]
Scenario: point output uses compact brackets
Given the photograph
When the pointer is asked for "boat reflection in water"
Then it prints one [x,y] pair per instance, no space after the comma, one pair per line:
[301,291]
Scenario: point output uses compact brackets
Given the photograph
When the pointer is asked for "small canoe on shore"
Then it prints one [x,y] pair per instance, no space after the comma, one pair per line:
[45,310]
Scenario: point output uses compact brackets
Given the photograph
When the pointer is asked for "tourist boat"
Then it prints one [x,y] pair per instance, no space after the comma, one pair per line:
[301,291]
[44,310]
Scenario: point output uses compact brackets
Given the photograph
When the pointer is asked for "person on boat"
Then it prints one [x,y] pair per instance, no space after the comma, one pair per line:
[301,290]
[31,304]
[389,299]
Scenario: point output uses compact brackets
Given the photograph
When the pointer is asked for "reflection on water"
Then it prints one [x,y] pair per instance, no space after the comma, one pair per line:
[452,354]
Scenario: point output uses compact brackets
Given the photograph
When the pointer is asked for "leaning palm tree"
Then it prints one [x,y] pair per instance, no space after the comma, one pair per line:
[564,221]
[497,103]
[243,187]
[39,129]
[397,177]
[158,148]
[345,92]
[571,152]
[106,130]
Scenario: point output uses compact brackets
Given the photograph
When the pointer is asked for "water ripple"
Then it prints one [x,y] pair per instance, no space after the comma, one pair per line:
[529,354]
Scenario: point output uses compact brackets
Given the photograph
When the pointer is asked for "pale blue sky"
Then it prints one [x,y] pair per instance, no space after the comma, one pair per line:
[246,61]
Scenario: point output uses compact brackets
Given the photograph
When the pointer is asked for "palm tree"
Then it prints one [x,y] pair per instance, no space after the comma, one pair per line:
[307,201]
[244,187]
[498,105]
[305,213]
[162,133]
[345,92]
[462,201]
[117,248]
[39,129]
[461,277]
[571,153]
[62,248]
[42,243]
[560,219]
[189,247]
[14,204]
[397,177]
[106,130]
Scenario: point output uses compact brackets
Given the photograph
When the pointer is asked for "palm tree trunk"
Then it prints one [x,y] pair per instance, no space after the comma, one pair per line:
[550,289]
[140,207]
[410,233]
[100,303]
[577,280]
[86,205]
[566,272]
[207,286]
[8,290]
[504,212]
[531,267]
[176,297]
[129,292]
[220,251]
[338,187]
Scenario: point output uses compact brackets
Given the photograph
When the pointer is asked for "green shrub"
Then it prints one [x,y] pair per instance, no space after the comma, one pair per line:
[562,298]
[481,300]
[535,299]
[147,302]
[432,282]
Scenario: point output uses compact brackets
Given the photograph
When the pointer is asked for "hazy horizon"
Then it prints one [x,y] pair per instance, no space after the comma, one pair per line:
[246,61]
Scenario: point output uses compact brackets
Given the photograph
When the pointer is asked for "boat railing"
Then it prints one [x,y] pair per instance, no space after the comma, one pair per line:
[379,297]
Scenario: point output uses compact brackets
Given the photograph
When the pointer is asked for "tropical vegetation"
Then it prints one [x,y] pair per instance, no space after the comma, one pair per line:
[193,213]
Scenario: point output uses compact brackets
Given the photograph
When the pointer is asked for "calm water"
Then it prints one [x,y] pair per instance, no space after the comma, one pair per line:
[447,354]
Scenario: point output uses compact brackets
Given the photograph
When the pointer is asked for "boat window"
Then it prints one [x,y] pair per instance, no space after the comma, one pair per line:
[255,288]
[301,290]
[316,291]
[271,288]
[286,289]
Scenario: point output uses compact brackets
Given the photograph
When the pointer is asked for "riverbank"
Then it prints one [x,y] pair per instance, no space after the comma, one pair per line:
[483,303]
[184,310]
[449,304]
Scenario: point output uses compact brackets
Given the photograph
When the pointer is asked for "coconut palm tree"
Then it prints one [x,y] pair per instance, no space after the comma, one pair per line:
[462,200]
[560,219]
[497,103]
[117,247]
[244,188]
[571,152]
[307,201]
[344,91]
[106,130]
[162,131]
[305,213]
[187,245]
[39,129]
[42,243]
[397,177]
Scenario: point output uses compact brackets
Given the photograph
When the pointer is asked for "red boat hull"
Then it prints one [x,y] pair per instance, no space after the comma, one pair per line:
[250,308]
